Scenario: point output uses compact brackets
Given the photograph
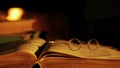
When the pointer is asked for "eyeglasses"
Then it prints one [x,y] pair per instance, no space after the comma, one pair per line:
[75,44]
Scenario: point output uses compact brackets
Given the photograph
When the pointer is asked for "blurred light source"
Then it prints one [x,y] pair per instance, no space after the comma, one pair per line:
[15,14]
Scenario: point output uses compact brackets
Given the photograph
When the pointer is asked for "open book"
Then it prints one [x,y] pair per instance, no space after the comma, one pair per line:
[49,54]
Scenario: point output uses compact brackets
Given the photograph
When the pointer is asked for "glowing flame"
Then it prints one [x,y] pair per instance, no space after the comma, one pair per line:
[15,14]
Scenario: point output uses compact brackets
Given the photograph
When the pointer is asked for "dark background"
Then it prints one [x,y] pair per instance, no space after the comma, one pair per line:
[86,19]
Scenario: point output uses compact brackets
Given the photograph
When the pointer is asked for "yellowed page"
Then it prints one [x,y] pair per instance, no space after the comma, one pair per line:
[32,45]
[102,52]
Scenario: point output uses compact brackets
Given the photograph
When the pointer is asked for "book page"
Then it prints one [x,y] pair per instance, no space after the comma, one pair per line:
[32,46]
[102,52]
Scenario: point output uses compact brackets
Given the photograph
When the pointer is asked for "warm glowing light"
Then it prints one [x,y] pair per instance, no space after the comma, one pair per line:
[15,14]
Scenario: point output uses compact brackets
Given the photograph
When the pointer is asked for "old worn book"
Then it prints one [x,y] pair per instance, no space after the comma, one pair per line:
[77,54]
[38,52]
